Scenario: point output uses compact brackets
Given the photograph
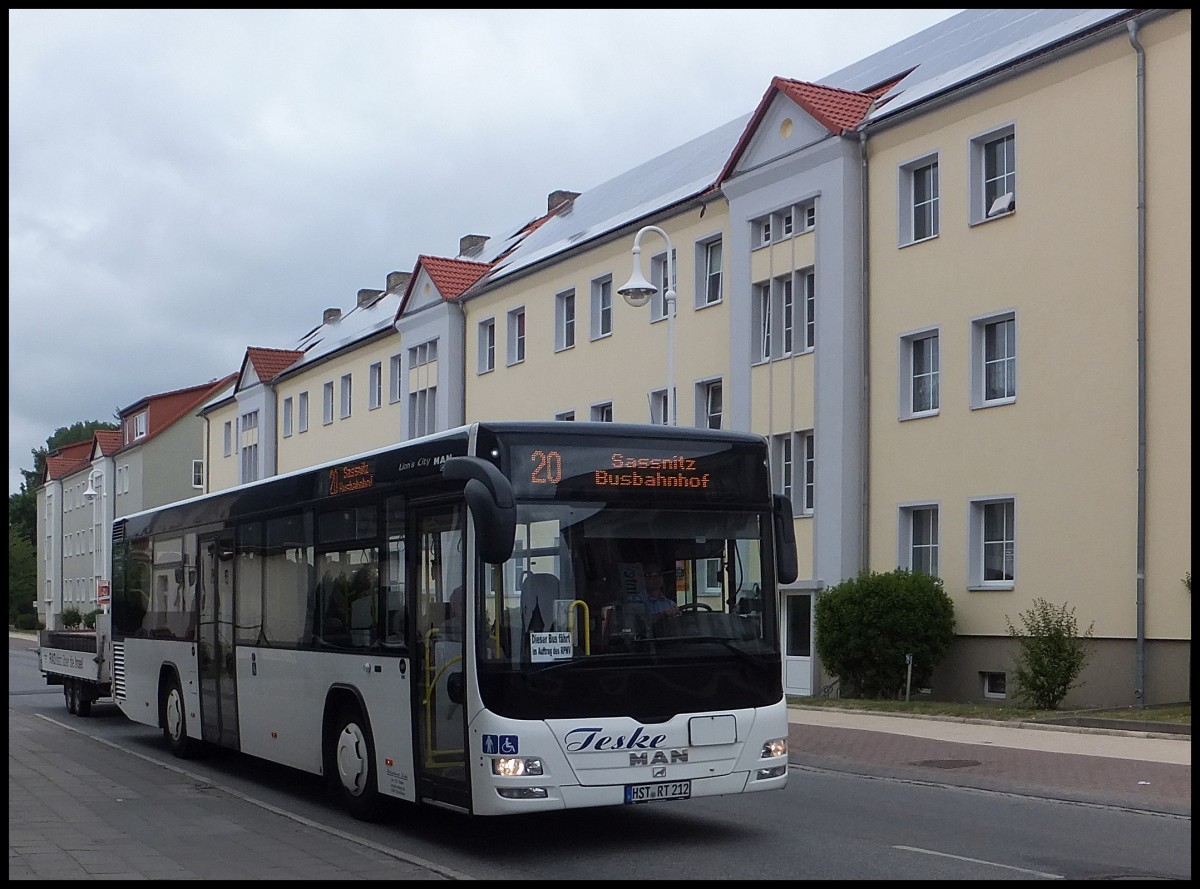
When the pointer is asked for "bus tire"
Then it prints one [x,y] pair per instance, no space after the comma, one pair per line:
[174,720]
[69,694]
[350,751]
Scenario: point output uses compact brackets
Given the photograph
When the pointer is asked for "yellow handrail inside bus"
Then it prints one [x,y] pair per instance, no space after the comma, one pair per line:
[431,679]
[587,624]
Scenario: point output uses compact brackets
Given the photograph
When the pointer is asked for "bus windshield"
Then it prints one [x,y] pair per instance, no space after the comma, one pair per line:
[589,583]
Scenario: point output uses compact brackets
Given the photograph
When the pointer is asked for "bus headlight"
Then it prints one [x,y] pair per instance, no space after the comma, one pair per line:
[773,748]
[516,766]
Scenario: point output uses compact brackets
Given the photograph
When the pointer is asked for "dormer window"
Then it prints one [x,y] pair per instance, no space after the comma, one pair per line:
[139,425]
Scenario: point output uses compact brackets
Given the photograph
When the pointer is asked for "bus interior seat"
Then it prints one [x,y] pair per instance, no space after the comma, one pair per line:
[538,592]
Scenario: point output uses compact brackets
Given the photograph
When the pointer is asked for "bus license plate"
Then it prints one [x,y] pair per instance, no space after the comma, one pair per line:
[646,793]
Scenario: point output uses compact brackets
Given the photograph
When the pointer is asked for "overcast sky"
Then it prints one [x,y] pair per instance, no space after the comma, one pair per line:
[187,183]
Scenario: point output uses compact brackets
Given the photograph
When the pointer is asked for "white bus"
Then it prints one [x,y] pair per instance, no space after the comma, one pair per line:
[470,619]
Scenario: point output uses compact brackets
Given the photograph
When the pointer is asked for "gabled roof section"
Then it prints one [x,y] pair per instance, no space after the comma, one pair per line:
[265,364]
[837,110]
[105,442]
[167,408]
[452,277]
[67,460]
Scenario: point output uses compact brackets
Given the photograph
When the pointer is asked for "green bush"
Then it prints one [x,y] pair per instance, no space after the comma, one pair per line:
[89,619]
[27,621]
[1051,656]
[865,627]
[71,618]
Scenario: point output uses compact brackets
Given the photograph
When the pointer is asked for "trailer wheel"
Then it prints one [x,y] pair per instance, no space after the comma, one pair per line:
[69,694]
[350,764]
[83,704]
[173,712]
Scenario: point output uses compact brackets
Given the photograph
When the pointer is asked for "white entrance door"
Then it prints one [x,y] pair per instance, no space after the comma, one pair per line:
[797,644]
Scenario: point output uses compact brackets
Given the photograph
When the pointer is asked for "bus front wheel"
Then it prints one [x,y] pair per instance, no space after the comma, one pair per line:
[174,720]
[351,764]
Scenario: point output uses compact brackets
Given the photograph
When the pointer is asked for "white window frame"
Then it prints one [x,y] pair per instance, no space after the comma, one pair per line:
[908,349]
[198,474]
[602,412]
[994,684]
[248,439]
[140,425]
[783,463]
[288,412]
[808,308]
[807,216]
[327,403]
[486,359]
[516,335]
[710,403]
[761,232]
[565,416]
[984,362]
[807,451]
[988,185]
[395,378]
[375,386]
[658,407]
[658,276]
[564,320]
[602,307]
[785,293]
[302,412]
[229,438]
[917,520]
[347,391]
[761,313]
[985,536]
[710,272]
[913,208]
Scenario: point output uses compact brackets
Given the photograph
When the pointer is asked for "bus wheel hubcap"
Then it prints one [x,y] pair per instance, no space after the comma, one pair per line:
[352,759]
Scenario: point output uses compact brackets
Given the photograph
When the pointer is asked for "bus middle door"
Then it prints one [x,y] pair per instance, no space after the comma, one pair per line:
[218,687]
[439,682]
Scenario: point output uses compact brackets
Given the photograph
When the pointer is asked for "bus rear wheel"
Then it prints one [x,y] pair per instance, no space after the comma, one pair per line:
[350,764]
[173,713]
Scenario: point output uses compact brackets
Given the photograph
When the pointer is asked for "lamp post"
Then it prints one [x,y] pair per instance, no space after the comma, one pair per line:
[100,534]
[637,292]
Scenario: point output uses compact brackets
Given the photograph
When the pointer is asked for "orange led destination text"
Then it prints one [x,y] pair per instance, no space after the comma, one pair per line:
[651,472]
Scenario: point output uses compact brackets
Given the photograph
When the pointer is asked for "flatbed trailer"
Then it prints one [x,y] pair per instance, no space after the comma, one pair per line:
[80,661]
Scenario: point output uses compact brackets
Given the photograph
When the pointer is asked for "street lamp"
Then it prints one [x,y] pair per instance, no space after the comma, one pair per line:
[637,292]
[90,491]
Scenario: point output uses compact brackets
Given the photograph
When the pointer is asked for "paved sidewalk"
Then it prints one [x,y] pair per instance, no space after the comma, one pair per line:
[1140,770]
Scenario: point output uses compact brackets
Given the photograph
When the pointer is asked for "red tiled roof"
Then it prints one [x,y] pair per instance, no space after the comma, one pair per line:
[67,459]
[839,111]
[165,409]
[269,363]
[452,276]
[109,440]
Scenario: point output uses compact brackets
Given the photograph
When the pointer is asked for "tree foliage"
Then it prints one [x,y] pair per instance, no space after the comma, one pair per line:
[22,576]
[1051,654]
[865,626]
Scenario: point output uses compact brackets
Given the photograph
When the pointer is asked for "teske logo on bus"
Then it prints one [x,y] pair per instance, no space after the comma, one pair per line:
[580,739]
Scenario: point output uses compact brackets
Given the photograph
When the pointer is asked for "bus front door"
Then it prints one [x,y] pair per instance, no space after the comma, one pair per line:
[439,664]
[218,690]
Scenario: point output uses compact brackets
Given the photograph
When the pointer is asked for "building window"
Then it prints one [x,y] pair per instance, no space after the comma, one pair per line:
[993,543]
[658,407]
[487,345]
[602,307]
[761,231]
[993,160]
[995,685]
[375,386]
[919,538]
[711,403]
[787,223]
[302,412]
[919,205]
[395,374]
[565,416]
[228,438]
[249,439]
[198,474]
[994,360]
[347,391]
[287,417]
[787,313]
[762,320]
[658,275]
[602,413]
[807,213]
[781,448]
[516,336]
[808,456]
[920,374]
[808,289]
[327,404]
[712,274]
[564,320]
[140,425]
[422,412]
